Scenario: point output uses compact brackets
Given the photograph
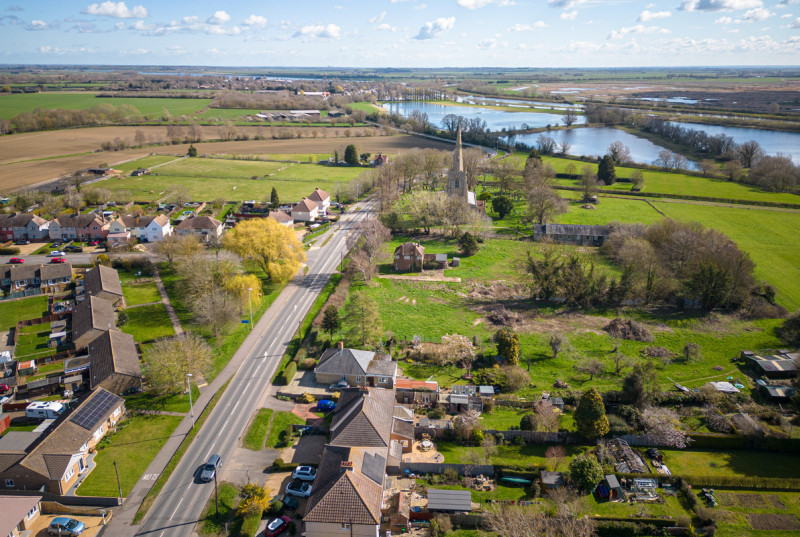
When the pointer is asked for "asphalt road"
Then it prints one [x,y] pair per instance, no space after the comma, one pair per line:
[181,502]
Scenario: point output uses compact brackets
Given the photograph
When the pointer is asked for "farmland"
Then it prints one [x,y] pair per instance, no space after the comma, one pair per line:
[13,104]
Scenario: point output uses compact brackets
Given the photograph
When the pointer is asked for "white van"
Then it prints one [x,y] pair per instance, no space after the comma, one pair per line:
[39,410]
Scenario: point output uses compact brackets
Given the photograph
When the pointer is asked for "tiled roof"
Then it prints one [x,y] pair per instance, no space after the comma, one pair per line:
[14,511]
[410,248]
[92,313]
[20,220]
[78,220]
[355,362]
[305,206]
[102,278]
[280,216]
[403,428]
[23,272]
[363,418]
[347,496]
[9,459]
[200,222]
[55,271]
[411,384]
[113,352]
[319,195]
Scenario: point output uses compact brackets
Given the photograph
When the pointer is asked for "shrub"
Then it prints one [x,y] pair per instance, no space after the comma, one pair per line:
[292,528]
[9,251]
[250,524]
[436,413]
[477,437]
[288,374]
[528,422]
[499,439]
[518,440]
[286,436]
[444,525]
[628,329]
[617,425]
[306,398]
[308,364]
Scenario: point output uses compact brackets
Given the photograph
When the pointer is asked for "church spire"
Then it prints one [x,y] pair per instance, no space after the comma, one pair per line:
[458,160]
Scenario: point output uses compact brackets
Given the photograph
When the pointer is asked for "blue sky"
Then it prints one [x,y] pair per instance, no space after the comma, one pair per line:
[403,33]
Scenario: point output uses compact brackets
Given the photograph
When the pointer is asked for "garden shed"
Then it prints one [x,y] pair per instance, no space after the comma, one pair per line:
[449,501]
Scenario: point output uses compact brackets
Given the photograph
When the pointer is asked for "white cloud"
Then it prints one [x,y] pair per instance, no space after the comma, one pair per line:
[784,3]
[219,17]
[565,4]
[192,19]
[430,30]
[723,20]
[421,6]
[646,15]
[378,18]
[528,27]
[37,25]
[386,26]
[569,15]
[256,21]
[117,10]
[327,31]
[719,5]
[787,16]
[796,23]
[475,4]
[487,44]
[638,29]
[757,14]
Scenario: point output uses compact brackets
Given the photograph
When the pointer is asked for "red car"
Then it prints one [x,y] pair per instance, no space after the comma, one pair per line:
[16,261]
[277,526]
[59,260]
[94,242]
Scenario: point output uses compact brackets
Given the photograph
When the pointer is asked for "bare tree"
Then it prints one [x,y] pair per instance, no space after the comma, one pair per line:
[662,425]
[557,341]
[620,153]
[472,159]
[621,361]
[544,203]
[555,455]
[456,349]
[570,117]
[732,170]
[503,171]
[749,153]
[564,147]
[176,246]
[588,183]
[217,309]
[368,237]
[546,416]
[589,367]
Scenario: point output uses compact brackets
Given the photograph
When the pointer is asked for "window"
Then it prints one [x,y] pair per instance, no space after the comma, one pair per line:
[117,411]
[345,526]
[33,512]
[383,380]
[98,434]
[69,474]
[85,446]
[9,483]
[359,379]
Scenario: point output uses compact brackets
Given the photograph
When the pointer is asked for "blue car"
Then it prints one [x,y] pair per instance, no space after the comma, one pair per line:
[326,405]
[66,526]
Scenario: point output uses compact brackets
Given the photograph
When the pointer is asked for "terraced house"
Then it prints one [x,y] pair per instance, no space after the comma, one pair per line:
[41,278]
[23,227]
[82,227]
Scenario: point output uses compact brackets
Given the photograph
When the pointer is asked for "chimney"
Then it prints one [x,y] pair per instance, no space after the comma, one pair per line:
[340,345]
[347,466]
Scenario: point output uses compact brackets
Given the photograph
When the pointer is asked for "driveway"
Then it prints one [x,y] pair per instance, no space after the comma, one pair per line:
[93,525]
[307,450]
[247,466]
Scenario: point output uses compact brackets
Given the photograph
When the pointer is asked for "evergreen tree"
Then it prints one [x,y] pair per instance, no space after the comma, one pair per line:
[351,155]
[508,345]
[606,171]
[192,151]
[274,200]
[585,472]
[468,243]
[590,416]
[502,205]
[331,321]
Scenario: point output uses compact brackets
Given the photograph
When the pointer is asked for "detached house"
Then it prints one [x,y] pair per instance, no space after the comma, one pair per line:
[103,282]
[322,199]
[19,514]
[282,218]
[357,367]
[409,256]
[91,319]
[23,226]
[80,227]
[305,211]
[206,228]
[56,462]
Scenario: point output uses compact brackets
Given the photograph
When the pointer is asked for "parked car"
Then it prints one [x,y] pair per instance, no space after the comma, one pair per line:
[94,242]
[341,385]
[56,244]
[16,261]
[56,260]
[288,502]
[305,473]
[66,527]
[277,526]
[4,388]
[326,405]
[298,488]
[210,468]
[73,248]
[56,253]
[22,241]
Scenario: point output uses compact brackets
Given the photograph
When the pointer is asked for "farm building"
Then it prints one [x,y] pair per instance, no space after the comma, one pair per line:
[571,234]
[781,365]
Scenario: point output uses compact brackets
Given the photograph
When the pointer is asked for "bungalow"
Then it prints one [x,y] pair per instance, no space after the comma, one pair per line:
[23,226]
[305,211]
[409,256]
[55,463]
[282,217]
[103,282]
[114,362]
[19,514]
[79,227]
[206,228]
[322,199]
[91,318]
[579,235]
[357,367]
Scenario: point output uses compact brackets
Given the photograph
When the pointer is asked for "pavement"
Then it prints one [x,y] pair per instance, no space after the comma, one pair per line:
[250,371]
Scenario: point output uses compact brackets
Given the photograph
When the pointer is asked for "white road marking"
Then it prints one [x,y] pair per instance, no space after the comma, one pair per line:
[176,508]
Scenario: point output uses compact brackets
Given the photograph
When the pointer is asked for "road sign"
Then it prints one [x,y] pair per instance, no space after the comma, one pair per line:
[245,321]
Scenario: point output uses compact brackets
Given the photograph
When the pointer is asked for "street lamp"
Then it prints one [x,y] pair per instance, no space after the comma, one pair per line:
[250,303]
[189,385]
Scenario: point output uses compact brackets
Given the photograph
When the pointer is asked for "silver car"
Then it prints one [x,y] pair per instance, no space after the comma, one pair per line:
[210,468]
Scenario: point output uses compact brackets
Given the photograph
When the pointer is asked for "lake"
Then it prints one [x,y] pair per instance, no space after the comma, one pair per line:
[496,120]
[772,142]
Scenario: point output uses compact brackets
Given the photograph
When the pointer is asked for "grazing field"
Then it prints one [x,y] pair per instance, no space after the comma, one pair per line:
[13,104]
[732,463]
[207,179]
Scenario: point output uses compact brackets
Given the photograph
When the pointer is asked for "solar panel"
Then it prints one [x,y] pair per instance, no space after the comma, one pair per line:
[94,410]
[373,466]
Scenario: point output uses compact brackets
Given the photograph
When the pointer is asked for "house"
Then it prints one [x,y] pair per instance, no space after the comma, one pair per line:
[144,228]
[55,278]
[46,278]
[282,218]
[403,428]
[91,319]
[357,367]
[206,228]
[363,418]
[23,226]
[778,366]
[551,480]
[82,227]
[18,515]
[305,211]
[21,277]
[139,171]
[103,282]
[55,463]
[578,235]
[114,362]
[409,256]
[322,199]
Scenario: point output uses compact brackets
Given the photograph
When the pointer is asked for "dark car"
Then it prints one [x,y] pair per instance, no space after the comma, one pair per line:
[277,526]
[341,385]
[326,405]
[22,241]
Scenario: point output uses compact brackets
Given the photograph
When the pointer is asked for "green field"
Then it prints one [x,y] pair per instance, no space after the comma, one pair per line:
[147,323]
[13,104]
[207,179]
[735,507]
[145,162]
[732,463]
[141,293]
[13,311]
[132,447]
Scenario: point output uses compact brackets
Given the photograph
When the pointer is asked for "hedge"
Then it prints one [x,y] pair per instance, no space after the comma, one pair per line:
[250,525]
[9,250]
[625,528]
[288,374]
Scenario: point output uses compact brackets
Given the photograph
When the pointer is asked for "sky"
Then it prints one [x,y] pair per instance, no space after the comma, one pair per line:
[402,33]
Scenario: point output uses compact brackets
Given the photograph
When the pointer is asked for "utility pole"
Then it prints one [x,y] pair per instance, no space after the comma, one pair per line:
[250,303]
[119,487]
[216,497]
[189,385]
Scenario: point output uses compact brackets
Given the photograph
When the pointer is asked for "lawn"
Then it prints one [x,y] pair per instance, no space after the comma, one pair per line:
[13,104]
[146,162]
[165,403]
[214,524]
[32,342]
[527,456]
[13,311]
[147,323]
[280,421]
[140,293]
[136,442]
[732,463]
[254,439]
[502,418]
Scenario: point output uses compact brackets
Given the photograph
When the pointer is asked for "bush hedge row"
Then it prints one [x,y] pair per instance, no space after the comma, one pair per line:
[287,374]
[9,250]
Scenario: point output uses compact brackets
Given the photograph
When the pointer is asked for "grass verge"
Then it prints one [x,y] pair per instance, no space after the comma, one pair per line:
[281,421]
[213,522]
[254,439]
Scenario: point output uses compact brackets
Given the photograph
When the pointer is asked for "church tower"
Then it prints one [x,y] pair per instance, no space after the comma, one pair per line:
[457,177]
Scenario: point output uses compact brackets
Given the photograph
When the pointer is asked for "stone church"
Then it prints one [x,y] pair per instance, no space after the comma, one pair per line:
[457,179]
